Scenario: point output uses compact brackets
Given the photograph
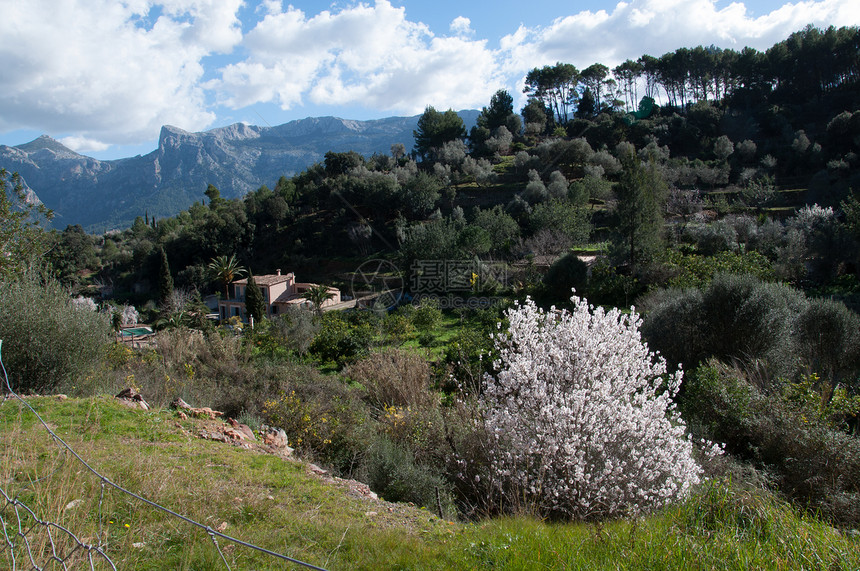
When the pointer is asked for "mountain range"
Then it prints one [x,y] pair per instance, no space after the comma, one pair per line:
[105,195]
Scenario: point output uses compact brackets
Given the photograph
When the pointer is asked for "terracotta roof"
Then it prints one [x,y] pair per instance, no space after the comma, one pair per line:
[268,279]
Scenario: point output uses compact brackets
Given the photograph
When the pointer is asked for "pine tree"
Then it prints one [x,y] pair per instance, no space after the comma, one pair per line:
[255,306]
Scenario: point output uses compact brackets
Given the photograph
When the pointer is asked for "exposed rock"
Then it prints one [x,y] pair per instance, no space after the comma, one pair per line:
[275,437]
[317,470]
[131,398]
[202,412]
[73,504]
[213,435]
[242,429]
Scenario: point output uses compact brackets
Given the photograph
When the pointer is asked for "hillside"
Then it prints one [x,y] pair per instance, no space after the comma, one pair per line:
[103,195]
[281,505]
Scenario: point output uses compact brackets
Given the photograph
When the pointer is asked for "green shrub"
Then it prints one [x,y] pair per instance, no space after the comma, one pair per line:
[391,472]
[468,357]
[829,341]
[324,419]
[733,318]
[693,270]
[564,275]
[48,343]
[341,340]
[813,464]
[607,287]
[427,315]
[296,328]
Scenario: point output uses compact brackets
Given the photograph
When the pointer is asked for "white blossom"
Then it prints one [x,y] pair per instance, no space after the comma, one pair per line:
[580,415]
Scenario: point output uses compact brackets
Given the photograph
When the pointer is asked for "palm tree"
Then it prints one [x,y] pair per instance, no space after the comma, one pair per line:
[226,270]
[318,295]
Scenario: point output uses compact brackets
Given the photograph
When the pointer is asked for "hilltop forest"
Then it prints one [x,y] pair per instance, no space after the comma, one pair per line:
[715,190]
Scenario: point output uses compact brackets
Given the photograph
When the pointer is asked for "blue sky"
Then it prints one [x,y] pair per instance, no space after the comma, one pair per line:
[102,76]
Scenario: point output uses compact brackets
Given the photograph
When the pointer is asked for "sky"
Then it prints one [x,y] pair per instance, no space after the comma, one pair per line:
[103,76]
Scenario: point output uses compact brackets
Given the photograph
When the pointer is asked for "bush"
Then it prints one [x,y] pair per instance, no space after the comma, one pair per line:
[296,327]
[734,317]
[829,341]
[427,315]
[391,471]
[607,287]
[812,463]
[48,343]
[580,423]
[565,274]
[393,377]
[324,419]
[341,341]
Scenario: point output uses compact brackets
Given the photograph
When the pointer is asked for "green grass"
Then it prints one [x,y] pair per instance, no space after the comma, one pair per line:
[276,504]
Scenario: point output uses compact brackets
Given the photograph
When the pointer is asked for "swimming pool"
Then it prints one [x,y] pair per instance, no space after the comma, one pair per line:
[136,331]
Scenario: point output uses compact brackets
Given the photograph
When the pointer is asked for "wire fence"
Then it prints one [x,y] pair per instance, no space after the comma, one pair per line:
[34,542]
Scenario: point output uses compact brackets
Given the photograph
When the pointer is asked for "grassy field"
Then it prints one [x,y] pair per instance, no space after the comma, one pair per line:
[278,504]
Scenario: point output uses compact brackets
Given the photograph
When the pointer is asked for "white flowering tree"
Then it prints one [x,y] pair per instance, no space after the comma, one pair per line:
[580,415]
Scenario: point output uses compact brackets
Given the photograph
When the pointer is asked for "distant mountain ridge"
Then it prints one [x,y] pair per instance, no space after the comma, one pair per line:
[105,195]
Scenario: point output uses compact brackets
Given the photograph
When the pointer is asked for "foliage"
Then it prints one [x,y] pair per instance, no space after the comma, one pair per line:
[607,286]
[641,194]
[318,295]
[786,432]
[324,421]
[580,421]
[340,340]
[692,270]
[565,274]
[165,280]
[766,325]
[48,343]
[296,328]
[426,316]
[435,129]
[393,377]
[564,217]
[255,305]
[555,87]
[21,235]
[226,270]
[71,252]
[391,470]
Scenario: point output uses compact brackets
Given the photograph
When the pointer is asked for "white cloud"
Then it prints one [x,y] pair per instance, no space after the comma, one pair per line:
[462,26]
[655,27]
[365,55]
[83,144]
[113,72]
[110,71]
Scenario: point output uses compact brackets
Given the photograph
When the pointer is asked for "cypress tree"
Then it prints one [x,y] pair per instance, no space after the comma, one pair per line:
[165,280]
[255,306]
[641,193]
